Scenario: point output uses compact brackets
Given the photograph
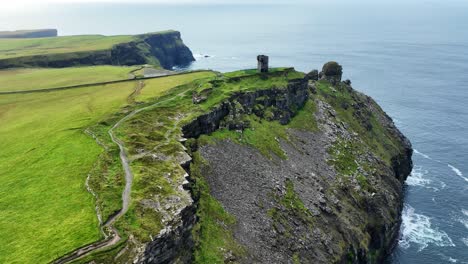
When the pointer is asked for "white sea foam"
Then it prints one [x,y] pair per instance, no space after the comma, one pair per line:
[422,154]
[464,218]
[198,56]
[447,258]
[417,177]
[464,222]
[465,241]
[417,229]
[443,185]
[457,172]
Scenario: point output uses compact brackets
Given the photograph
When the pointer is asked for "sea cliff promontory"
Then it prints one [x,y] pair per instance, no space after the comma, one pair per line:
[272,167]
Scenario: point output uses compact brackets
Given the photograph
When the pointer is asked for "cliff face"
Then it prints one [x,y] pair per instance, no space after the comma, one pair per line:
[231,111]
[336,195]
[164,49]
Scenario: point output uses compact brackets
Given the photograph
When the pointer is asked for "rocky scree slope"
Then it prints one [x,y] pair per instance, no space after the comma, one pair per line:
[165,49]
[277,167]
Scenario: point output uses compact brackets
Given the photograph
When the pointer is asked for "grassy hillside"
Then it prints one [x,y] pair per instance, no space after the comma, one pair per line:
[11,48]
[29,33]
[33,79]
[44,162]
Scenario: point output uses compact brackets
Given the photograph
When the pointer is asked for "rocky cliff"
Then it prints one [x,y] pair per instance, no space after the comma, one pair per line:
[333,196]
[164,49]
[284,167]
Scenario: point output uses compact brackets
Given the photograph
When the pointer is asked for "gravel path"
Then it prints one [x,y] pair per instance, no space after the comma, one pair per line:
[113,237]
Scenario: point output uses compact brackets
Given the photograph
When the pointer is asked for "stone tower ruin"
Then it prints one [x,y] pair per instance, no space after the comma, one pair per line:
[262,63]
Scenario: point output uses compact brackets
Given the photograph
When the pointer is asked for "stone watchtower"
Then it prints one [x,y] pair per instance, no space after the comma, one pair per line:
[262,63]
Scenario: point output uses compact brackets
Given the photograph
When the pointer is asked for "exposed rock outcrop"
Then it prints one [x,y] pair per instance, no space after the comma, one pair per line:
[281,102]
[173,245]
[312,75]
[332,72]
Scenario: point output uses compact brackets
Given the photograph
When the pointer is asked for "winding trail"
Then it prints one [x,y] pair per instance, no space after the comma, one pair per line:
[113,236]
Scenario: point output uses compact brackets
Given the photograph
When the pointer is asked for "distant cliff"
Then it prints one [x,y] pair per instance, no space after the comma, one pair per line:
[36,33]
[164,49]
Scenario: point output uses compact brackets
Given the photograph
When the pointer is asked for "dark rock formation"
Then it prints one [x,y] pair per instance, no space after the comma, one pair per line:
[281,100]
[173,246]
[168,49]
[312,75]
[164,49]
[332,72]
[37,33]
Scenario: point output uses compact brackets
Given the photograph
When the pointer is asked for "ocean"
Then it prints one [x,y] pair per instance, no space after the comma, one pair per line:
[411,57]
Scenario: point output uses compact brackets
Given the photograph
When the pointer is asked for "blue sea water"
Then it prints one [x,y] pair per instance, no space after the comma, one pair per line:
[411,57]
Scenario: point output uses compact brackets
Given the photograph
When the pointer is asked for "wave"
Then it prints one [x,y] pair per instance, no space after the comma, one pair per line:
[417,178]
[198,56]
[457,172]
[464,218]
[447,258]
[422,154]
[417,229]
[465,241]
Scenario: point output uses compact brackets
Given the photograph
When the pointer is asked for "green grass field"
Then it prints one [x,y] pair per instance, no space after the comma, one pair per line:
[44,161]
[11,48]
[44,78]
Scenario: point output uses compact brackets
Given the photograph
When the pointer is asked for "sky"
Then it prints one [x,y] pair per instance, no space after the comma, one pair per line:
[23,6]
[15,4]
[24,3]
